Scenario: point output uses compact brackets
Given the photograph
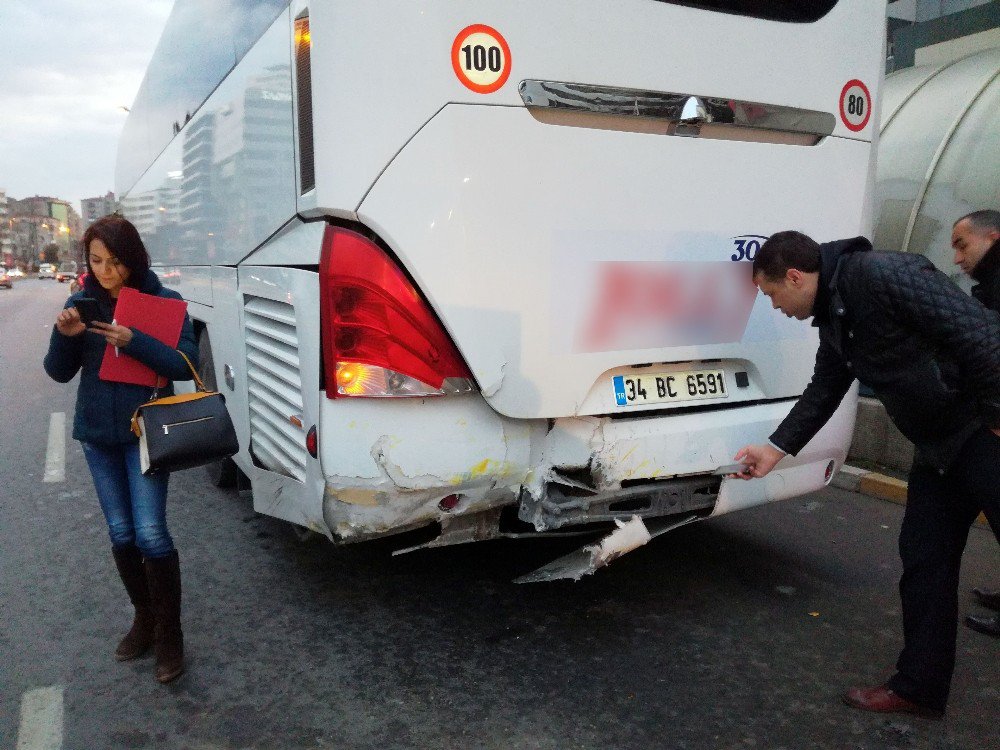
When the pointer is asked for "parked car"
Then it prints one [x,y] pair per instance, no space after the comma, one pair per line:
[15,273]
[67,271]
[46,271]
[5,280]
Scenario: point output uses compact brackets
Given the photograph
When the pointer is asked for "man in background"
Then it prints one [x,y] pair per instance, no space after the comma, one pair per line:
[975,239]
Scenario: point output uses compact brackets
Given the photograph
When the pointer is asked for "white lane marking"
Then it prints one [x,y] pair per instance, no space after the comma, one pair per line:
[41,719]
[55,455]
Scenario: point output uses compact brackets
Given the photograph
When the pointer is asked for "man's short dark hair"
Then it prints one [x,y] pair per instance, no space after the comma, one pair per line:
[785,250]
[986,220]
[122,239]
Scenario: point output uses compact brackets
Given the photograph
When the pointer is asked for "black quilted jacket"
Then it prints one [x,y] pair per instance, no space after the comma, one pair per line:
[929,351]
[987,273]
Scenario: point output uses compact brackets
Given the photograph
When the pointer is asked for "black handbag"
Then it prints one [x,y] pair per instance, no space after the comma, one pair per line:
[179,432]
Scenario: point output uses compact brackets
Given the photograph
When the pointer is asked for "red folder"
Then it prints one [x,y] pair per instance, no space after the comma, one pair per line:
[159,317]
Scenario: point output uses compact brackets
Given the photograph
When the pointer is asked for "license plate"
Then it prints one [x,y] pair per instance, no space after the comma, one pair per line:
[669,387]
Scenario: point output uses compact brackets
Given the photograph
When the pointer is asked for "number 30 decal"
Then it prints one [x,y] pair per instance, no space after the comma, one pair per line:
[746,246]
[480,58]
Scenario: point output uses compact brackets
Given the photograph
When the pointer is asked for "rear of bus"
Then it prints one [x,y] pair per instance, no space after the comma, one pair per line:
[559,203]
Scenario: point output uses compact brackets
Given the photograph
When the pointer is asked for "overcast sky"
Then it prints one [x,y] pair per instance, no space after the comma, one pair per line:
[66,66]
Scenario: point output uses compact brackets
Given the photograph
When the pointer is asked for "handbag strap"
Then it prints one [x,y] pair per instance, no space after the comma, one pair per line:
[198,384]
[201,386]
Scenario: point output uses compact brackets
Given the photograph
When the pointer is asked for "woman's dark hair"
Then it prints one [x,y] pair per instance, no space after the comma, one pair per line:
[122,239]
[785,250]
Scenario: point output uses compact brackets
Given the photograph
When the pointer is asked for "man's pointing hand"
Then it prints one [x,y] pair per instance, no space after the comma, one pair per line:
[759,460]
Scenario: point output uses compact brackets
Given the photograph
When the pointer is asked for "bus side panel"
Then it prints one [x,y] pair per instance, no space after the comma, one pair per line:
[227,351]
[281,366]
[293,498]
[297,244]
[193,283]
[227,181]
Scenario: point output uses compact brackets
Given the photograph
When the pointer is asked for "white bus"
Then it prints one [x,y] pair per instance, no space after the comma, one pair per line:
[483,267]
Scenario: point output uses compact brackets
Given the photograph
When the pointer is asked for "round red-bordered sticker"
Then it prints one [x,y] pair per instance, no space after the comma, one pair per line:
[481,58]
[855,105]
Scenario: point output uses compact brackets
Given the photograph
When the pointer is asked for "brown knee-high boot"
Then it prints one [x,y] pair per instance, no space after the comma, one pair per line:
[164,574]
[139,638]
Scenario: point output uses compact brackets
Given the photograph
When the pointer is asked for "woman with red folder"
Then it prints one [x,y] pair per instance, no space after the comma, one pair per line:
[134,505]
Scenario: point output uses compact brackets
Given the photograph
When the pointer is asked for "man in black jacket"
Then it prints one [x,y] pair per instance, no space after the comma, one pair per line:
[976,241]
[931,354]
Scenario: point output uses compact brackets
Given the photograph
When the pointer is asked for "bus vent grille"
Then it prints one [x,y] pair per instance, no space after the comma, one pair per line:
[275,387]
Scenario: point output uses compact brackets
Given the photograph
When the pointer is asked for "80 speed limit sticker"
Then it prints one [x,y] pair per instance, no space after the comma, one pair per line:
[481,58]
[855,105]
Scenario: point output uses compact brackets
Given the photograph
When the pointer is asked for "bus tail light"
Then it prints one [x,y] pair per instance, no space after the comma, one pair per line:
[380,339]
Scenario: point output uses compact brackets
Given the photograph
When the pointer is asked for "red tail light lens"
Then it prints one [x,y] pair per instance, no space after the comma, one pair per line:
[312,442]
[380,339]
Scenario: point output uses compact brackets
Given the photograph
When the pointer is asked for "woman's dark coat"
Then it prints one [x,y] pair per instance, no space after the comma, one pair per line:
[104,408]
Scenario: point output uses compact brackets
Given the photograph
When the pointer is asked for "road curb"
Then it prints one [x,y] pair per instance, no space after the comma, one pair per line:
[873,484]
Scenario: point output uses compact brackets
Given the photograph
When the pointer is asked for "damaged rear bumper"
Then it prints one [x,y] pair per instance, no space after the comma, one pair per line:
[391,466]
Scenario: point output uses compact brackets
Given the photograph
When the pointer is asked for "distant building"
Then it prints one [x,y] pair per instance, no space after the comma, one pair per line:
[41,227]
[6,243]
[935,32]
[93,209]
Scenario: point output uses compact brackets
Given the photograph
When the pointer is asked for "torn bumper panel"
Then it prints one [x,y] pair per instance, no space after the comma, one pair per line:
[388,465]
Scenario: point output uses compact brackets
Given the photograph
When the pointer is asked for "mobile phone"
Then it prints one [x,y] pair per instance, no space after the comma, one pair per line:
[731,469]
[89,310]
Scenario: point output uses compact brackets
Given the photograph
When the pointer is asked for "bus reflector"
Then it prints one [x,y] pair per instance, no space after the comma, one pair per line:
[380,339]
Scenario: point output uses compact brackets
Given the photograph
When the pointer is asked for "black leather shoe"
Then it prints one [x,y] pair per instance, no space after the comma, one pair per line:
[989,599]
[988,625]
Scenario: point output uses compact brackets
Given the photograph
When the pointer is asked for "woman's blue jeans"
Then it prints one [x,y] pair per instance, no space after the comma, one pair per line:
[135,506]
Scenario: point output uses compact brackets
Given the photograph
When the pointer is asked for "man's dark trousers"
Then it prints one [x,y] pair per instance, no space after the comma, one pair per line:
[940,509]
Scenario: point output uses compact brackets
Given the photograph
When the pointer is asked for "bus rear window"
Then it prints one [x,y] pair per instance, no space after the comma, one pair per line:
[793,11]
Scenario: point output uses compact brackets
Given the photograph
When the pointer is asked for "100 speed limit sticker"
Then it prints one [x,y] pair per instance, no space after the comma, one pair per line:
[481,58]
[855,105]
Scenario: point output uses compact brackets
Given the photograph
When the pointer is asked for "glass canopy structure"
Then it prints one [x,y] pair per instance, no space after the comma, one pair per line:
[939,154]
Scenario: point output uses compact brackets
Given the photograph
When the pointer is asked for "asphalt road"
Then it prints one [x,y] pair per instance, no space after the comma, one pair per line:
[739,632]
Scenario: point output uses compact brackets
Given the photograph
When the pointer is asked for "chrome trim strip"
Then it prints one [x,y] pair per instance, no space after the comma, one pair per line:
[684,113]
